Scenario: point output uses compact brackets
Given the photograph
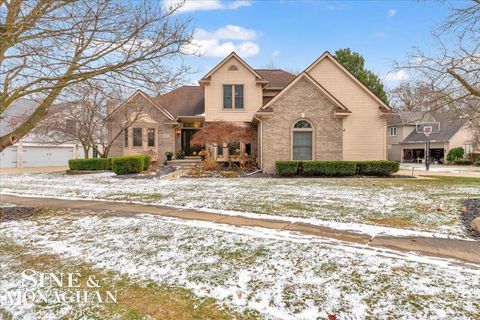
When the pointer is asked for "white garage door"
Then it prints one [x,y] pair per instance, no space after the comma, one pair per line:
[8,158]
[46,156]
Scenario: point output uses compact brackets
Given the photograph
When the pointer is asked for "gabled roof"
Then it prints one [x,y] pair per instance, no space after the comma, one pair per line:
[148,98]
[277,78]
[230,56]
[268,106]
[183,101]
[328,55]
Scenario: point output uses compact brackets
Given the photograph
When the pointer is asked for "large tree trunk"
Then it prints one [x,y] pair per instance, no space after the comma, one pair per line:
[86,151]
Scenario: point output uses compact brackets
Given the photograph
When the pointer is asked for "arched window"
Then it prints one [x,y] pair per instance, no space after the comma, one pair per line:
[302,140]
[233,68]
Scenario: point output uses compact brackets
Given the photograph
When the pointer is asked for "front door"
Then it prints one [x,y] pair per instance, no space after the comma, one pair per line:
[187,146]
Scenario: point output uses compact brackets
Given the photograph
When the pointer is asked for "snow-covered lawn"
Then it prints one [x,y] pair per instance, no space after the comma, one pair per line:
[428,205]
[272,274]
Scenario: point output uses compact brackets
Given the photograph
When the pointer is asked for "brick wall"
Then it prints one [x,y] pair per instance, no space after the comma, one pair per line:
[153,118]
[301,101]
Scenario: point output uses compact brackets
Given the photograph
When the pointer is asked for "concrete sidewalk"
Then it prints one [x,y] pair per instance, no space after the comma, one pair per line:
[467,251]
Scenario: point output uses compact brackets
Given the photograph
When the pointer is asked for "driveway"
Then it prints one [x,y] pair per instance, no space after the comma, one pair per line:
[31,170]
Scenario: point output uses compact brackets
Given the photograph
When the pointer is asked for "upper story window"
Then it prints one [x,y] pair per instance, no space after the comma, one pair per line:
[233,96]
[137,137]
[233,68]
[392,131]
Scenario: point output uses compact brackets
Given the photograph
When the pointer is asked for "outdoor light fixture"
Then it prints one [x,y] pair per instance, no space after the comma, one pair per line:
[177,131]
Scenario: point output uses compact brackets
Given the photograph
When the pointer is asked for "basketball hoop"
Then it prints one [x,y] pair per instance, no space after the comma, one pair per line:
[427,131]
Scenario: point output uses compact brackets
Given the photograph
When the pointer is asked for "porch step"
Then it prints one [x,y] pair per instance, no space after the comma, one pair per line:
[185,164]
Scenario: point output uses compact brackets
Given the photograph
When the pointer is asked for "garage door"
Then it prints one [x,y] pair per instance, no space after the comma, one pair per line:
[8,158]
[46,156]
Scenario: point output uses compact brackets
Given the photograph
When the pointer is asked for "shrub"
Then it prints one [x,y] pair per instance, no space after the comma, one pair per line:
[477,163]
[455,154]
[377,168]
[146,161]
[329,168]
[287,168]
[210,165]
[128,164]
[229,174]
[462,162]
[90,164]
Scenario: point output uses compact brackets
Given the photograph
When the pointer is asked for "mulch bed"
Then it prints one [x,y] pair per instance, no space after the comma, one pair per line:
[17,213]
[472,207]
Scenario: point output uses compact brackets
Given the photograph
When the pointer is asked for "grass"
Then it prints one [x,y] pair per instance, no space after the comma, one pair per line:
[165,270]
[136,300]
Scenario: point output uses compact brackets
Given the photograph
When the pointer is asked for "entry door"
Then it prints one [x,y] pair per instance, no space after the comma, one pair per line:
[187,147]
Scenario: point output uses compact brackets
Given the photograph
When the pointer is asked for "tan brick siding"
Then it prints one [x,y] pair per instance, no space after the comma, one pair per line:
[302,101]
[153,118]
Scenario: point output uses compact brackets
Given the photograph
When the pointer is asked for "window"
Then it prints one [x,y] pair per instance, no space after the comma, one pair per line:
[151,137]
[233,96]
[392,131]
[227,97]
[220,150]
[234,149]
[70,126]
[468,147]
[302,141]
[125,138]
[233,68]
[95,152]
[137,137]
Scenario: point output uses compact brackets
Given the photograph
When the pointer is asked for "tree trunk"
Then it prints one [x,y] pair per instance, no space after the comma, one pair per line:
[86,151]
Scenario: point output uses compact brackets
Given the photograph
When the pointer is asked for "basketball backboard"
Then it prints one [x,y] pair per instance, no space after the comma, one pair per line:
[428,128]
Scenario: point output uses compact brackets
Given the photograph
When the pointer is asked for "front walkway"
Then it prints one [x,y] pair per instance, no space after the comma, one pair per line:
[464,250]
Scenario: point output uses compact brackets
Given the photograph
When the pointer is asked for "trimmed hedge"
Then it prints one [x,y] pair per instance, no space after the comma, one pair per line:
[377,168]
[336,168]
[146,162]
[287,168]
[90,164]
[477,163]
[128,164]
[329,168]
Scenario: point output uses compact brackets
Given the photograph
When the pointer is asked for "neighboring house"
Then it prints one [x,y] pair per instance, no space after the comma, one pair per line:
[32,150]
[324,113]
[405,144]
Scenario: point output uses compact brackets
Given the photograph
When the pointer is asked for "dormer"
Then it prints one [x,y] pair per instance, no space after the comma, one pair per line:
[233,91]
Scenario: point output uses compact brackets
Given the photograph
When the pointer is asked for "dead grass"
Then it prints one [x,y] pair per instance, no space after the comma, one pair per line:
[135,300]
[397,222]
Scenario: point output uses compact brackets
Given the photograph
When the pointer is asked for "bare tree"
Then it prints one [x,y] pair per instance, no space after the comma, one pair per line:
[454,68]
[83,119]
[49,45]
[416,96]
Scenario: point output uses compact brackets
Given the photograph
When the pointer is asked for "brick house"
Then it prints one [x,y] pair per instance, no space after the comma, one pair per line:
[324,113]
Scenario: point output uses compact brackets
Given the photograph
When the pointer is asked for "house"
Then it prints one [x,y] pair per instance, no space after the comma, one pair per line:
[33,150]
[407,144]
[323,113]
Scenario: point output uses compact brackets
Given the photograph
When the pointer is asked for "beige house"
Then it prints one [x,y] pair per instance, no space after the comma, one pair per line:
[406,144]
[324,113]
